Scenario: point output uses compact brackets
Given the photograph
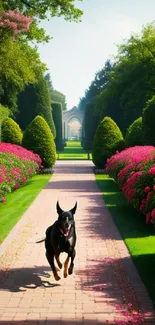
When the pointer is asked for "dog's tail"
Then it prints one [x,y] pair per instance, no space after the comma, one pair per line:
[40,241]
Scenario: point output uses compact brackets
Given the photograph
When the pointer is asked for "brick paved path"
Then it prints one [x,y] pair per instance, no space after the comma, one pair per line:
[104,289]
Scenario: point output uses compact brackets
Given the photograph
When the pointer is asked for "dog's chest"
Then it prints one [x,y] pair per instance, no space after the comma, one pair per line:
[64,243]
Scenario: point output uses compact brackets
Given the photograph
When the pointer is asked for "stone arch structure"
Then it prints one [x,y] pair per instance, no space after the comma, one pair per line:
[70,119]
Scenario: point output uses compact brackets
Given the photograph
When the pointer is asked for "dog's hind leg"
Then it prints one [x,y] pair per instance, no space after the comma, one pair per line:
[70,270]
[50,259]
[66,267]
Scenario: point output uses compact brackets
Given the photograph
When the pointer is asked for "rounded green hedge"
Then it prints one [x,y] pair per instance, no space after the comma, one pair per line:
[11,132]
[134,134]
[107,140]
[148,122]
[39,138]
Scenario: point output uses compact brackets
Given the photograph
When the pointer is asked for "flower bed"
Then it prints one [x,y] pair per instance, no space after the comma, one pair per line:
[20,152]
[16,165]
[134,171]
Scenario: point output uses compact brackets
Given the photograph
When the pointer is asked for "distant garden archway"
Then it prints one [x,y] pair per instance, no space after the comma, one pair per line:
[74,129]
[72,124]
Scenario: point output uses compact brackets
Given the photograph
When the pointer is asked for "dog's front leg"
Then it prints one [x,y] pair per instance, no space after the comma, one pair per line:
[50,258]
[66,267]
[58,261]
[70,270]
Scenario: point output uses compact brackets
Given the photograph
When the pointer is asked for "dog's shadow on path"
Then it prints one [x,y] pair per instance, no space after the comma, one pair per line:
[23,279]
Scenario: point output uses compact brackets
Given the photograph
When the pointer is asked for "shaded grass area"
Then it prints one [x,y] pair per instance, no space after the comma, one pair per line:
[18,202]
[139,237]
[73,151]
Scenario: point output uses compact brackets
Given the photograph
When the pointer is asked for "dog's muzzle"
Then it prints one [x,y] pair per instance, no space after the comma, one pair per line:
[65,231]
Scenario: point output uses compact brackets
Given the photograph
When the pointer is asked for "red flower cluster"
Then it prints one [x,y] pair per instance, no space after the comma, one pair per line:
[134,171]
[13,20]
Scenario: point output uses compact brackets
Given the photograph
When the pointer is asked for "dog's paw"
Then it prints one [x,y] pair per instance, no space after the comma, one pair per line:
[70,270]
[65,274]
[57,277]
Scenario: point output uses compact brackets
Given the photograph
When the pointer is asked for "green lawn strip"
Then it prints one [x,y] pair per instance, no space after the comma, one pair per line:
[139,237]
[73,151]
[72,157]
[18,202]
[73,143]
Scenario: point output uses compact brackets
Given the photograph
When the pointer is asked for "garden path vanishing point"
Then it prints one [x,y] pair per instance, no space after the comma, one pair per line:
[105,287]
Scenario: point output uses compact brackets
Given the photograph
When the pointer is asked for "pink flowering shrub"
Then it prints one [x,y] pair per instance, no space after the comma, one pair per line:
[14,21]
[134,171]
[15,167]
[20,152]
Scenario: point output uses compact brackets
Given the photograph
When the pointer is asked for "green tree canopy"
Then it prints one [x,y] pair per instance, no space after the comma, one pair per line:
[49,82]
[96,86]
[43,9]
[18,67]
[88,105]
[132,81]
[56,96]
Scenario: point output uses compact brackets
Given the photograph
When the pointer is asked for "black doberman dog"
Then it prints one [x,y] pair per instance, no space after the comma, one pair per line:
[61,237]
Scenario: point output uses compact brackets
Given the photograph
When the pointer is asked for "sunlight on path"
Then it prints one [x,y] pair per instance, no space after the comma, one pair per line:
[104,288]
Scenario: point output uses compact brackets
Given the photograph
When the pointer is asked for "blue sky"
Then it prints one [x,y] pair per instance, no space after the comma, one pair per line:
[78,50]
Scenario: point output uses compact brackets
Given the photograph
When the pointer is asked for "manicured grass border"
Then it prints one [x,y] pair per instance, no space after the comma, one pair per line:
[139,237]
[18,202]
[75,143]
[61,156]
[73,151]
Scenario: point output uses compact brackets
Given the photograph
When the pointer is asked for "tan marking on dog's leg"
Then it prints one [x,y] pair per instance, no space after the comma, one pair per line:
[66,267]
[58,261]
[50,259]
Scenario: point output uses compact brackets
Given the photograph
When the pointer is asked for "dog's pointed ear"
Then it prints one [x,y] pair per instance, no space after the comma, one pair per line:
[59,210]
[73,210]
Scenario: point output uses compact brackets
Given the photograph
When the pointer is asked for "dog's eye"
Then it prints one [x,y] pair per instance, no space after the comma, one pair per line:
[63,217]
[66,216]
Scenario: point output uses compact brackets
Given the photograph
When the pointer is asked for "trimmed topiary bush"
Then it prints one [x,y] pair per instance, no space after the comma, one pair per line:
[39,138]
[148,122]
[57,118]
[53,128]
[35,100]
[90,124]
[11,132]
[4,113]
[134,134]
[107,140]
